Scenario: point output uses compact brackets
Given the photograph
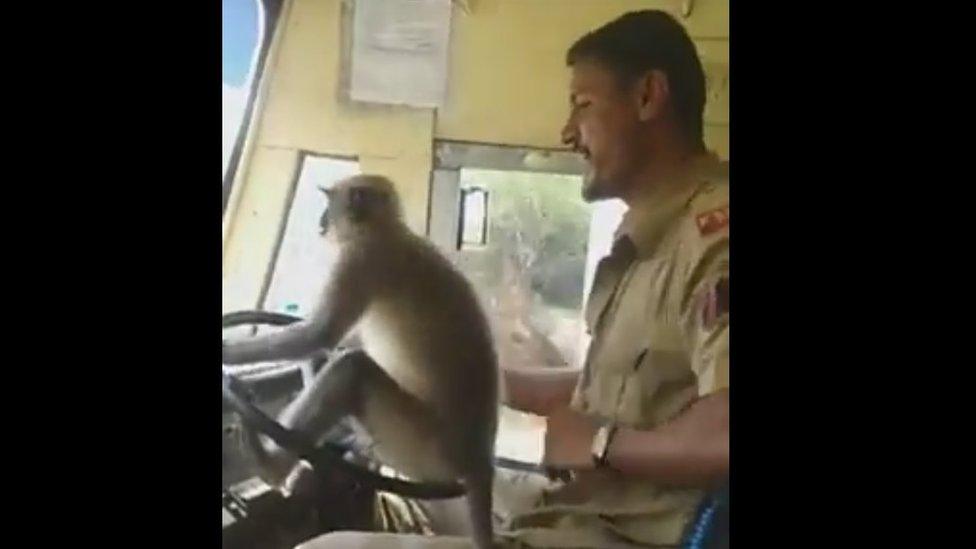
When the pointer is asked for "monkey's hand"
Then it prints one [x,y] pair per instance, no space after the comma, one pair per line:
[273,463]
[237,387]
[295,342]
[301,482]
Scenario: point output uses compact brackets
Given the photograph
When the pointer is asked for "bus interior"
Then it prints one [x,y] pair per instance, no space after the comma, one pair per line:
[475,152]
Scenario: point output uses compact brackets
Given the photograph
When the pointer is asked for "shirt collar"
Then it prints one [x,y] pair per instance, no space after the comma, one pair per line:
[653,211]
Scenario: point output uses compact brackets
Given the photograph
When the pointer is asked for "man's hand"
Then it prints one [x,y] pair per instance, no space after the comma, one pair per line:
[691,450]
[539,391]
[569,440]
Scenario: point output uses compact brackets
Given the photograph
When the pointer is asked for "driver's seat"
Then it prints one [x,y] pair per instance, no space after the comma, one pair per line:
[709,530]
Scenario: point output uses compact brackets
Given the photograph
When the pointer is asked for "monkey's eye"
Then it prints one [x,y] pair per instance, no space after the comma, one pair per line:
[324,222]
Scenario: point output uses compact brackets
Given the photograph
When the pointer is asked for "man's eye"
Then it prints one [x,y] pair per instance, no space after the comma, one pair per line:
[582,105]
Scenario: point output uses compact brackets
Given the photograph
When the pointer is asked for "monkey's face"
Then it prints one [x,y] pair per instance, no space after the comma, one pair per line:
[324,220]
[356,203]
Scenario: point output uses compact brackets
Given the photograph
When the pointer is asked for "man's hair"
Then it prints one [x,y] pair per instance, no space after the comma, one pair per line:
[640,41]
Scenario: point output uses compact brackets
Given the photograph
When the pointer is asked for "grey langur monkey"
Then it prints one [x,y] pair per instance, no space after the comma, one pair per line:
[425,385]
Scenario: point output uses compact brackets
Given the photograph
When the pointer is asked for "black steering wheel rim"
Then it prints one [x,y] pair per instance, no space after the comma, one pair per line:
[328,455]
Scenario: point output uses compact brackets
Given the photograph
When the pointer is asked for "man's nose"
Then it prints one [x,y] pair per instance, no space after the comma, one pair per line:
[569,134]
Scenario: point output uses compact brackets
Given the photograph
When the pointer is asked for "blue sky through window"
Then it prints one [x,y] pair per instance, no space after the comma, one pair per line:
[240,34]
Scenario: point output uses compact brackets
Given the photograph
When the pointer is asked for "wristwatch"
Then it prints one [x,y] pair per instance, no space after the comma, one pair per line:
[601,443]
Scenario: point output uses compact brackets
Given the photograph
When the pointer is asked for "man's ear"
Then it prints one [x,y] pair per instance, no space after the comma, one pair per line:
[653,92]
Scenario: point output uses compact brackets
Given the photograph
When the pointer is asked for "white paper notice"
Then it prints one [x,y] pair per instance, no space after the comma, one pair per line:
[399,52]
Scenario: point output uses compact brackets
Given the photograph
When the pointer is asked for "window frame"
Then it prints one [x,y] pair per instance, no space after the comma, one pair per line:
[269,14]
[303,156]
[444,204]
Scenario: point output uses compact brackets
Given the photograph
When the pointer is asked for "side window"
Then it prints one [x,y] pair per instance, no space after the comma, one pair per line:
[531,269]
[241,33]
[302,261]
[514,221]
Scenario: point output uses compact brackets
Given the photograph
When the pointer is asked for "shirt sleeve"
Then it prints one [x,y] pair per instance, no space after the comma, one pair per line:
[706,316]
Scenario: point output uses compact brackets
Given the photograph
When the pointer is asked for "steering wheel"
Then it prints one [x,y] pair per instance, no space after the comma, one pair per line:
[329,455]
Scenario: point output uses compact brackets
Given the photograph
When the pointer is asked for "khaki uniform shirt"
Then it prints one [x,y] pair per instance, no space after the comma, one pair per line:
[658,313]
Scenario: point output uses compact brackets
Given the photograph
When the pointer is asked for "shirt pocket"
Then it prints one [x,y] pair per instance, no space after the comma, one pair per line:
[658,387]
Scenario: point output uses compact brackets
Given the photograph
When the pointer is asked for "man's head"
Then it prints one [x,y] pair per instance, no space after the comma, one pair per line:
[637,82]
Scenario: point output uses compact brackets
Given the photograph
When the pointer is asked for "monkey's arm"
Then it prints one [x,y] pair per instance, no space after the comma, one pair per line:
[294,342]
[343,301]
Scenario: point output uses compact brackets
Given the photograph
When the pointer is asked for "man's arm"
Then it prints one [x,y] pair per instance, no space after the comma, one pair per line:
[539,391]
[691,450]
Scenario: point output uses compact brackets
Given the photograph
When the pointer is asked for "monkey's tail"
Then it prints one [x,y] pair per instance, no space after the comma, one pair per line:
[479,488]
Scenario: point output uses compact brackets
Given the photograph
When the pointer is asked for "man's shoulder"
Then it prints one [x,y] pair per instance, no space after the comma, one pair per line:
[705,220]
[702,244]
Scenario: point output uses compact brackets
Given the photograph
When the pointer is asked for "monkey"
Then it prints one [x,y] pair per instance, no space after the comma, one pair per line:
[425,384]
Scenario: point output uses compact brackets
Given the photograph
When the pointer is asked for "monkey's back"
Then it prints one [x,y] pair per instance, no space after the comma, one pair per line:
[426,328]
